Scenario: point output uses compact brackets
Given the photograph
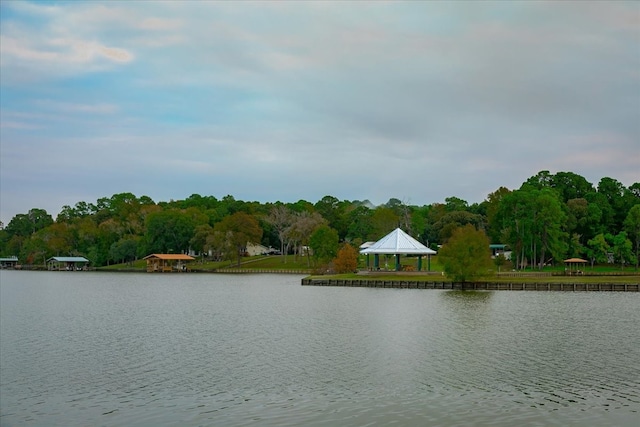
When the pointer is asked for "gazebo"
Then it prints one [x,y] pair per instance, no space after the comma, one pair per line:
[573,264]
[397,243]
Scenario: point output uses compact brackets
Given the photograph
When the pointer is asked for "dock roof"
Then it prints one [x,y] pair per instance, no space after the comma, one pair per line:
[178,257]
[68,259]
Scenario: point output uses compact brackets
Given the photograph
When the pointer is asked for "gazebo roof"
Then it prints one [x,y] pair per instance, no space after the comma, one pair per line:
[575,261]
[398,242]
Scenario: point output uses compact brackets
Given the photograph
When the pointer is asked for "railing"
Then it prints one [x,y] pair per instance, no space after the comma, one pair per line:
[259,271]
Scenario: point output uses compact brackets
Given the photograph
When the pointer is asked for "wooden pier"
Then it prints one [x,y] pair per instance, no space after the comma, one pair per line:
[475,286]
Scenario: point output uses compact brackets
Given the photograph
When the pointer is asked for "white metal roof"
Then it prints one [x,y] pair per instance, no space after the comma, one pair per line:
[68,259]
[398,242]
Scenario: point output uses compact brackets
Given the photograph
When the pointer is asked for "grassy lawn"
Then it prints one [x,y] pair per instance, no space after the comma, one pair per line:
[272,262]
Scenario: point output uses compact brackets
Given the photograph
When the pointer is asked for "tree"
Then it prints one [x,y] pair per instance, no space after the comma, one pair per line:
[533,223]
[614,192]
[200,238]
[452,220]
[324,243]
[347,259]
[26,224]
[466,256]
[359,220]
[383,221]
[238,230]
[571,186]
[499,261]
[622,248]
[632,226]
[494,228]
[124,250]
[301,229]
[598,249]
[280,218]
[168,231]
[454,204]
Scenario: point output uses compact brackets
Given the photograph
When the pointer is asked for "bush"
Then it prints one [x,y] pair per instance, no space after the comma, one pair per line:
[347,260]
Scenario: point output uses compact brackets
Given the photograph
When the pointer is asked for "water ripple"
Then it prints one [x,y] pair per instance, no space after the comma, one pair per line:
[138,350]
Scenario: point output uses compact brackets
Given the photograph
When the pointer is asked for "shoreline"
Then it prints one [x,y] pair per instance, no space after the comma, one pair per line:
[477,286]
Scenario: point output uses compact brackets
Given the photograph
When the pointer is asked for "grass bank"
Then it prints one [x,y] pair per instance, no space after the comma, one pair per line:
[271,262]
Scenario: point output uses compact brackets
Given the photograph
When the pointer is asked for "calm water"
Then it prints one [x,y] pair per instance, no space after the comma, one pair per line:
[92,349]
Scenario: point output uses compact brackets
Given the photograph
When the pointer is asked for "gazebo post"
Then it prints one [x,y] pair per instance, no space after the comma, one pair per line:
[419,262]
[397,262]
[376,261]
[428,262]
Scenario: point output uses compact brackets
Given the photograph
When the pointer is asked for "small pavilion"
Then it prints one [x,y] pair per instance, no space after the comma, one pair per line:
[573,264]
[166,263]
[67,263]
[398,243]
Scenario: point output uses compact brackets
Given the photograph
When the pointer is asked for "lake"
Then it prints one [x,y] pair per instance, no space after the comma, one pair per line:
[116,349]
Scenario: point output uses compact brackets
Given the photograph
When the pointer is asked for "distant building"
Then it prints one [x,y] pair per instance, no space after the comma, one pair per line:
[254,249]
[10,262]
[67,263]
[497,249]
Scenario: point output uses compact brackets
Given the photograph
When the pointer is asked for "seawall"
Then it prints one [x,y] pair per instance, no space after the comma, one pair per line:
[476,286]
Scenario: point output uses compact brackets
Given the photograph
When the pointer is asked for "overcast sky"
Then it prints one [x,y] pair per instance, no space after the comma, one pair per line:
[282,101]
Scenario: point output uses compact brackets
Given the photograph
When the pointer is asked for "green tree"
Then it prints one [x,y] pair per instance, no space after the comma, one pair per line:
[383,221]
[494,226]
[324,243]
[466,256]
[453,220]
[238,229]
[571,186]
[533,222]
[359,220]
[598,249]
[622,248]
[124,250]
[26,224]
[200,238]
[632,226]
[168,231]
[615,193]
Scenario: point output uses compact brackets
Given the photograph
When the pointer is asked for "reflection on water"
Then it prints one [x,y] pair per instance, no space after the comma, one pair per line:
[137,350]
[467,295]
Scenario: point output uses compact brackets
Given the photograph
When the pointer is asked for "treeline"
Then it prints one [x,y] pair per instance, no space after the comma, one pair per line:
[549,218]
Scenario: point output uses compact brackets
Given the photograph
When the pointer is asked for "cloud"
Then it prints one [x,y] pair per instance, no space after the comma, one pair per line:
[66,107]
[282,101]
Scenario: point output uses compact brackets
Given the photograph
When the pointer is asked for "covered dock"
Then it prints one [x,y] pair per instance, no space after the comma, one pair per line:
[9,262]
[67,263]
[167,263]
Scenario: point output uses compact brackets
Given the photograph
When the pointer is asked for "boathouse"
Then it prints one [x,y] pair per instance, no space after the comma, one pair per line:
[9,262]
[398,243]
[67,263]
[167,263]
